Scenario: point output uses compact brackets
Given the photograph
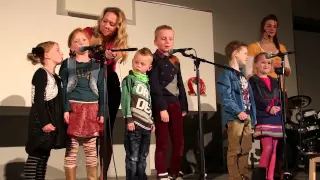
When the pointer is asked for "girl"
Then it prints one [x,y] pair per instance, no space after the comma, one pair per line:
[110,32]
[83,86]
[46,129]
[269,43]
[269,125]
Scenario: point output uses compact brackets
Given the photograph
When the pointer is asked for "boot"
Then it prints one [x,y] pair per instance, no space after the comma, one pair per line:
[259,174]
[70,173]
[92,173]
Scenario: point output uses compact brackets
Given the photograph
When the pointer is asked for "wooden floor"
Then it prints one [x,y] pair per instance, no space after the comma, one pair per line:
[299,176]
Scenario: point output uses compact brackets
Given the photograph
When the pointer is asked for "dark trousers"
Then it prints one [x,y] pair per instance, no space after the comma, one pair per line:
[175,128]
[114,97]
[136,144]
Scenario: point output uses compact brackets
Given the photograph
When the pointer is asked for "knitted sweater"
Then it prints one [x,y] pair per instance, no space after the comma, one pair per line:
[136,100]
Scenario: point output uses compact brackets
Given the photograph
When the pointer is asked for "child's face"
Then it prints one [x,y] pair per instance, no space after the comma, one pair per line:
[54,54]
[242,56]
[79,40]
[164,40]
[263,65]
[141,63]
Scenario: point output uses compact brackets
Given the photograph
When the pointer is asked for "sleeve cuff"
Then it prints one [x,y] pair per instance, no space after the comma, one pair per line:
[268,109]
[129,120]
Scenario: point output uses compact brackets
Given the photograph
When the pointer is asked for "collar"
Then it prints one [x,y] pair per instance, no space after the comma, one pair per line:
[160,54]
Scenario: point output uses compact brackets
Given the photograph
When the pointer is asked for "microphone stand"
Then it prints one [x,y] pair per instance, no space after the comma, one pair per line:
[197,62]
[280,72]
[103,65]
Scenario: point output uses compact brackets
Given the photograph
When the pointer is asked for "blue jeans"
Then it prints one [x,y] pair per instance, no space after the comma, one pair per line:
[137,145]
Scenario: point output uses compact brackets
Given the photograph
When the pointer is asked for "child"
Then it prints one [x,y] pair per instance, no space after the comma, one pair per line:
[46,129]
[239,110]
[136,107]
[269,127]
[83,84]
[169,103]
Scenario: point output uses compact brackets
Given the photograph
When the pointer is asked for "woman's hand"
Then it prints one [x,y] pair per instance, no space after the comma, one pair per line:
[110,55]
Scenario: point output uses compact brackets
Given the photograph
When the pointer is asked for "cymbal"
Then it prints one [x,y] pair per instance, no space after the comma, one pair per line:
[300,101]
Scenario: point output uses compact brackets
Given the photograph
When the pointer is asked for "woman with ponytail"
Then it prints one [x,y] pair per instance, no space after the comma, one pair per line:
[268,43]
[46,129]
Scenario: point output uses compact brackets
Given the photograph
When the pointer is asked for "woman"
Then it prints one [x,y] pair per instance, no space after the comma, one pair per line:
[269,43]
[110,32]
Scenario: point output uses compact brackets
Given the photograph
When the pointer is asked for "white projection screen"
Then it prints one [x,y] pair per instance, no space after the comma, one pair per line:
[35,21]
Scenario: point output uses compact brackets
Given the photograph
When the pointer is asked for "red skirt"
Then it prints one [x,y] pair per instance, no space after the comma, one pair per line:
[83,119]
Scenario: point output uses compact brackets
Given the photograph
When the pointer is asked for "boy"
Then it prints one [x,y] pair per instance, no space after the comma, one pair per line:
[239,110]
[136,107]
[169,103]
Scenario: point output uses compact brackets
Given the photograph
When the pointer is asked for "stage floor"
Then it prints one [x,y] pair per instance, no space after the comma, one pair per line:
[299,176]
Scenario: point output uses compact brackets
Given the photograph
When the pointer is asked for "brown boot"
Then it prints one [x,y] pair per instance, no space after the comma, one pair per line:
[70,173]
[92,173]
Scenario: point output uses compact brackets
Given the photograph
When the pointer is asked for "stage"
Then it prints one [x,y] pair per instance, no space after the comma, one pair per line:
[299,176]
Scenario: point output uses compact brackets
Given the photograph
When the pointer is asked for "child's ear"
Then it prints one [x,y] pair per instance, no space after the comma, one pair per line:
[150,68]
[46,56]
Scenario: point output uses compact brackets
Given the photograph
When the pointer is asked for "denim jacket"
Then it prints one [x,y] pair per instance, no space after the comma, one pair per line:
[231,97]
[69,79]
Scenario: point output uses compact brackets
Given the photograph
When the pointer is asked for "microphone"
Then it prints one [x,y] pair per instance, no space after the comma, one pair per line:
[181,50]
[128,49]
[92,47]
[269,56]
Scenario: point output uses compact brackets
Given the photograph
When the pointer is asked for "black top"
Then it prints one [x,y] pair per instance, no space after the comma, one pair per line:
[244,85]
[44,112]
[164,70]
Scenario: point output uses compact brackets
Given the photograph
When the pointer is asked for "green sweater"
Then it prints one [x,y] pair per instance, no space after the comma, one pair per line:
[136,100]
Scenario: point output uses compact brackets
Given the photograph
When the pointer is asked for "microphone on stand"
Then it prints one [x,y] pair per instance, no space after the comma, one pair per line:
[269,56]
[92,47]
[181,50]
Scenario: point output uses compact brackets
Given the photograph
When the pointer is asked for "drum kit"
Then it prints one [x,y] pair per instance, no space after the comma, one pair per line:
[303,128]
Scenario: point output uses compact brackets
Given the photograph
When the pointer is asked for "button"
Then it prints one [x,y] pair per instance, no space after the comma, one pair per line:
[162,73]
[172,69]
[171,75]
[166,65]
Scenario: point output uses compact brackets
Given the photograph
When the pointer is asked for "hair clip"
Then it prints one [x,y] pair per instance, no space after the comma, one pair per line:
[38,51]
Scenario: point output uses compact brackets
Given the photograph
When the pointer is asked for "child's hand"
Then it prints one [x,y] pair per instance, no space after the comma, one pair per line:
[153,128]
[66,117]
[110,55]
[131,126]
[48,128]
[274,110]
[164,116]
[184,113]
[242,116]
[100,119]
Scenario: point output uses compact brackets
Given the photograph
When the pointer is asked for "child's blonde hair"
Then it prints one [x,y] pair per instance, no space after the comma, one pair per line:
[37,54]
[159,28]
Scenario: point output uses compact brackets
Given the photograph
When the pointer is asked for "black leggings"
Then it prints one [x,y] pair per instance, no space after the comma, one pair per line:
[36,166]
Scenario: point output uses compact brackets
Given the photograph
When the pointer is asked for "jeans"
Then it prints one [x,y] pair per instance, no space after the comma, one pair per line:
[137,145]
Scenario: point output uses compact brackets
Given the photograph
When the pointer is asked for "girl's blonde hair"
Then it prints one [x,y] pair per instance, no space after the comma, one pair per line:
[120,39]
[37,54]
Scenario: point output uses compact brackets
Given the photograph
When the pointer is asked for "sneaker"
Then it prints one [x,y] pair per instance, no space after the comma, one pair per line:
[163,176]
[180,176]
